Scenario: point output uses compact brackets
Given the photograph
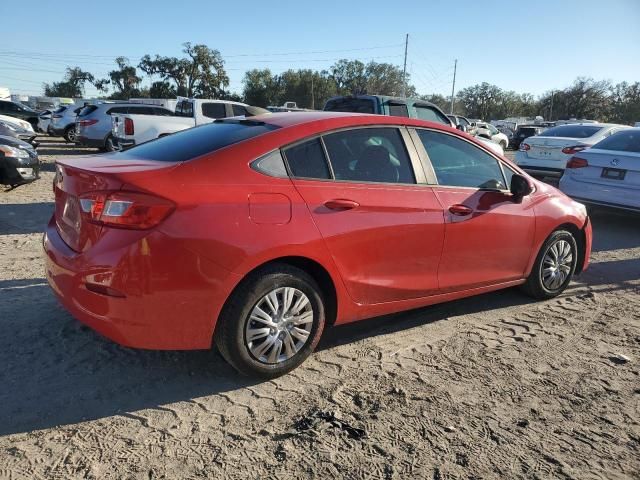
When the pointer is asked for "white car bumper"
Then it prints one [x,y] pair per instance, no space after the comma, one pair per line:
[615,196]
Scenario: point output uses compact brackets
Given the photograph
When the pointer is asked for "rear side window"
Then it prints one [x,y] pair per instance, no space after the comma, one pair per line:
[458,163]
[141,110]
[214,110]
[369,155]
[307,160]
[87,110]
[399,110]
[356,105]
[430,114]
[113,110]
[624,141]
[162,111]
[194,142]
[572,131]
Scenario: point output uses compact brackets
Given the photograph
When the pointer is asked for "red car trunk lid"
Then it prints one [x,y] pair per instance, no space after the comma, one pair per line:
[79,176]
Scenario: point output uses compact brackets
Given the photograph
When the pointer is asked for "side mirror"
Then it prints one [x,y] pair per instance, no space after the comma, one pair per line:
[462,128]
[520,186]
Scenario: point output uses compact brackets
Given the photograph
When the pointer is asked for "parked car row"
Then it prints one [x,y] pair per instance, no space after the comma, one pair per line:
[598,164]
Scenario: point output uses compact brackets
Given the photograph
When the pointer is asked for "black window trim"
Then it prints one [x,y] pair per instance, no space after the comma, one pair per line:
[414,157]
[428,166]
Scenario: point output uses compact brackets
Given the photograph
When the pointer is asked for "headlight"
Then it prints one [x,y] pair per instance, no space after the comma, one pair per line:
[14,152]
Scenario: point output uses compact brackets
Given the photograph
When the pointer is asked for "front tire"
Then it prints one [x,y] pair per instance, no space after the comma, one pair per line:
[554,266]
[272,322]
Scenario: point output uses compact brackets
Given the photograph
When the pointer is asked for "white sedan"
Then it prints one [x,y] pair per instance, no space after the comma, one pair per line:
[489,132]
[607,174]
[547,154]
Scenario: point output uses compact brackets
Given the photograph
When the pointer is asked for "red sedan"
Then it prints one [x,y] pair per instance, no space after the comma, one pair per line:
[255,234]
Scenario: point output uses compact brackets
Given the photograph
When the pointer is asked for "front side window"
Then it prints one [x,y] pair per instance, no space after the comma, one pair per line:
[238,110]
[214,110]
[307,160]
[398,110]
[369,155]
[184,108]
[458,163]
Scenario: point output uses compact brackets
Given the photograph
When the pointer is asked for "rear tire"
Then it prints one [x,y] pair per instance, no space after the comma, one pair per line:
[554,266]
[272,322]
[70,134]
[108,144]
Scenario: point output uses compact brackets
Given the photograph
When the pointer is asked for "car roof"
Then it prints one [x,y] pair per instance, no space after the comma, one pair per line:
[323,121]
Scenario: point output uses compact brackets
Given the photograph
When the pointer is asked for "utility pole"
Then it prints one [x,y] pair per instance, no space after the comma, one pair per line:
[313,100]
[551,107]
[404,70]
[453,86]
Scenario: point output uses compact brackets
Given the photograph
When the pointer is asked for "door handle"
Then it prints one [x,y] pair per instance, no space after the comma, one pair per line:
[341,204]
[460,210]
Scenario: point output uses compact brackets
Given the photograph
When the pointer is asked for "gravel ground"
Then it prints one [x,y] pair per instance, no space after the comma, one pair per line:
[488,387]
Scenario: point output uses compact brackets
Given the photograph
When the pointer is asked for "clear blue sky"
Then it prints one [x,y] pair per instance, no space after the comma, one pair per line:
[530,46]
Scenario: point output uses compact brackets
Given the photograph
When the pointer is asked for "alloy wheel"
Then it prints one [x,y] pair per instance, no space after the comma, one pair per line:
[556,265]
[279,325]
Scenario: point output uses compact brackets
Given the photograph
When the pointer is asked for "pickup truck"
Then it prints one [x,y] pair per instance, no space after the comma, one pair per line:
[401,107]
[129,129]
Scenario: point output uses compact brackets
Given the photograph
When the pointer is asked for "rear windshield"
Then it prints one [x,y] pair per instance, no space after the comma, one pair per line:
[528,130]
[573,131]
[193,142]
[625,141]
[87,110]
[60,109]
[357,105]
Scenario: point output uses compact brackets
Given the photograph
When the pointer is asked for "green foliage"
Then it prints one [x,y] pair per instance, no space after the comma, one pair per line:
[352,77]
[73,84]
[125,80]
[199,74]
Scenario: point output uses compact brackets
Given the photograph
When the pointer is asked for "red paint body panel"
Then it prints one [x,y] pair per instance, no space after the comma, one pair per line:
[400,248]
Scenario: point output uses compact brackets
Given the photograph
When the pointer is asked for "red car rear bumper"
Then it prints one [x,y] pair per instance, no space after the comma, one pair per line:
[169,297]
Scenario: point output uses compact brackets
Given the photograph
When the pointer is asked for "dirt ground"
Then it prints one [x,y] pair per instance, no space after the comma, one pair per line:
[489,387]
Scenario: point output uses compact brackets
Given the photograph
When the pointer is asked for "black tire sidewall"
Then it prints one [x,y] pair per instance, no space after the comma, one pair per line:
[235,318]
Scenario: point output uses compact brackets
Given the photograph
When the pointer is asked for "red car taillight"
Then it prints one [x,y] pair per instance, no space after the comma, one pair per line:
[525,146]
[128,126]
[577,162]
[573,149]
[86,123]
[139,211]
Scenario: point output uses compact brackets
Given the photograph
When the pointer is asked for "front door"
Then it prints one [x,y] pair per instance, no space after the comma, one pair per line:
[488,234]
[383,229]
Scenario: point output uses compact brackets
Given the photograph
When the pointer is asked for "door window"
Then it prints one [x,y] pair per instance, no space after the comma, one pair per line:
[238,110]
[458,163]
[307,160]
[398,110]
[214,110]
[369,155]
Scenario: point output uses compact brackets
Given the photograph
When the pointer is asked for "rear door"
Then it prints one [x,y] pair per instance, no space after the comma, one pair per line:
[382,224]
[488,235]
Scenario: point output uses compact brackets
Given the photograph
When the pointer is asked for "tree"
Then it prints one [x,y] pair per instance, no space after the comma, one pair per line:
[162,90]
[125,80]
[73,84]
[261,88]
[352,77]
[200,74]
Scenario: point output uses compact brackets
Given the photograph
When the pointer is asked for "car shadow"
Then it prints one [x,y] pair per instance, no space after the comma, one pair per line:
[21,218]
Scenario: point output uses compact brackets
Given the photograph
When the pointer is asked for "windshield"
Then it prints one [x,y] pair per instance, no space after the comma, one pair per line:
[194,142]
[625,141]
[357,105]
[573,131]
